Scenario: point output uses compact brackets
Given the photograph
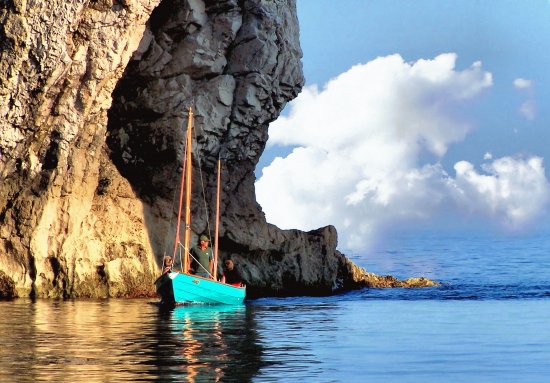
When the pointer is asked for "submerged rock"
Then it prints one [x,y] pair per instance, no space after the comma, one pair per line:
[93,106]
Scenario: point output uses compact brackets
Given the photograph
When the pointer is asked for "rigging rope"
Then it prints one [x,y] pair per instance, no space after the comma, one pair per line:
[196,260]
[176,166]
[207,213]
[171,216]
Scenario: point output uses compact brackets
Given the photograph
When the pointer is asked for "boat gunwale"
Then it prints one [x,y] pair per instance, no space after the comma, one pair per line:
[208,279]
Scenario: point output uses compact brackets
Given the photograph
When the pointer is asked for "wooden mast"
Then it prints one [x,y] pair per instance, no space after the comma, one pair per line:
[187,234]
[217,229]
[185,186]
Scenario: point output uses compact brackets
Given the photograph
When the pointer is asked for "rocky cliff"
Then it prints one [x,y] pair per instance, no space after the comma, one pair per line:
[93,105]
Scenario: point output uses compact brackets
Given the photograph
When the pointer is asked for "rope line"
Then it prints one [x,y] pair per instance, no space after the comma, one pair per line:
[171,216]
[207,213]
[179,245]
[196,260]
[176,189]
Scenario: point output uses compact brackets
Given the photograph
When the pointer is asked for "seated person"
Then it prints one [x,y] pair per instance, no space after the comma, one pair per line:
[231,275]
[166,265]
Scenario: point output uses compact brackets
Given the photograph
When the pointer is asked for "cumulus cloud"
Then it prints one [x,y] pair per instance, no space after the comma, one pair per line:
[512,190]
[358,143]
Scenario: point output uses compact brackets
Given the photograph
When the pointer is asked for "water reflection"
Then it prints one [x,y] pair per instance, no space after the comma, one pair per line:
[135,340]
[126,340]
[210,344]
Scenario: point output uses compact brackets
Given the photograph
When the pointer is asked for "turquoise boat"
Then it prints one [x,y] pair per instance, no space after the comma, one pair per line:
[178,288]
[183,288]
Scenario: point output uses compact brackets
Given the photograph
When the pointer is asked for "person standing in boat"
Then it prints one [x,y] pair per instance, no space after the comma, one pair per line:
[231,275]
[202,259]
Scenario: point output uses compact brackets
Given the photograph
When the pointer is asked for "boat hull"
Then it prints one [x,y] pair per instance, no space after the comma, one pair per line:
[184,288]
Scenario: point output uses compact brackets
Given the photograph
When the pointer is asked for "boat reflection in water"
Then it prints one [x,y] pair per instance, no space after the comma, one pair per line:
[119,340]
[211,343]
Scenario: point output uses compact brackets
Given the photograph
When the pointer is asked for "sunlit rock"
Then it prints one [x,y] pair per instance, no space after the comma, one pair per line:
[93,105]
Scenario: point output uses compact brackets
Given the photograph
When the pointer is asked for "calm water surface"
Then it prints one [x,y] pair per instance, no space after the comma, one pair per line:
[487,323]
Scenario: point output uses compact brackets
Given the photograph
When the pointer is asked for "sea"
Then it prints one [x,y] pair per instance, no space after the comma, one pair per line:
[489,321]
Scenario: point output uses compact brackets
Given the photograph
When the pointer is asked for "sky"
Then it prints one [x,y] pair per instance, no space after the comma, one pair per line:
[416,115]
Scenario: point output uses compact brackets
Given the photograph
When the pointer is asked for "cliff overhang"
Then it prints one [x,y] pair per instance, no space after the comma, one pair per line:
[93,100]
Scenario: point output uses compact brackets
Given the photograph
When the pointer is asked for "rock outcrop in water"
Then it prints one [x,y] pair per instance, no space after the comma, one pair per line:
[93,105]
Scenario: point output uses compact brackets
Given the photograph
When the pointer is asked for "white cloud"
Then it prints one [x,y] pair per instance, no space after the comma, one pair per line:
[528,108]
[521,83]
[511,190]
[359,140]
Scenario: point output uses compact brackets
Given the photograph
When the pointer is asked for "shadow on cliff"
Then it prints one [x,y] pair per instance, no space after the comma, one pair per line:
[224,62]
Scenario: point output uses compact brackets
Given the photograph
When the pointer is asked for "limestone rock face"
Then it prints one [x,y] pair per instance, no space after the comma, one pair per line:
[93,110]
[59,63]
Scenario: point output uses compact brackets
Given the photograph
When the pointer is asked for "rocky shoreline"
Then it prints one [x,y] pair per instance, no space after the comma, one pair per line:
[93,101]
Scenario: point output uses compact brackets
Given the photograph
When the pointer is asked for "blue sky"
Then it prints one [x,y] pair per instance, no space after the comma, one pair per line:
[510,38]
[460,117]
